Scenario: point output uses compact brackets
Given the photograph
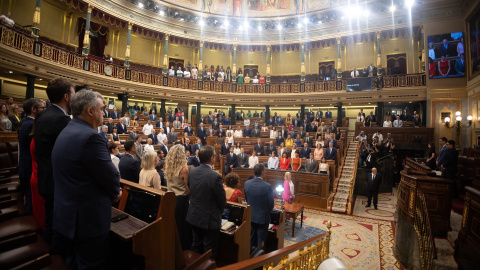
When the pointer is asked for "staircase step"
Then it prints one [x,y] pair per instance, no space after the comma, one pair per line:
[445,263]
[452,237]
[443,247]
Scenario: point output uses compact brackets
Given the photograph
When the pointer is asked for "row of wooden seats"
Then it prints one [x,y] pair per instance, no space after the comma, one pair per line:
[21,245]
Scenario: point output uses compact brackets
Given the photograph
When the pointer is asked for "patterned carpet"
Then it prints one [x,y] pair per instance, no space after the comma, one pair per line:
[387,203]
[360,242]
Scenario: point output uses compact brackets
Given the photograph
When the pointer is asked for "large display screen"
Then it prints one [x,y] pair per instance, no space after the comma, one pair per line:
[446,57]
[359,84]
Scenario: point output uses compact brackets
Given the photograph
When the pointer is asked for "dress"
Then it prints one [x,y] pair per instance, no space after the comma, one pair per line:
[432,68]
[115,137]
[296,164]
[443,67]
[432,163]
[235,195]
[318,154]
[240,79]
[150,178]
[298,142]
[177,185]
[289,143]
[284,163]
[323,168]
[37,200]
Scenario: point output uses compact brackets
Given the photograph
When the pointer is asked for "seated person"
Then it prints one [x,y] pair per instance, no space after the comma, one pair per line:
[284,162]
[232,192]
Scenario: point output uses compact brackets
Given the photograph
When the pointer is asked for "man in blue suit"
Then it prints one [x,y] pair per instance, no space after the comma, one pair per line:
[129,166]
[259,195]
[86,184]
[460,65]
[115,114]
[121,127]
[305,152]
[331,152]
[328,114]
[188,130]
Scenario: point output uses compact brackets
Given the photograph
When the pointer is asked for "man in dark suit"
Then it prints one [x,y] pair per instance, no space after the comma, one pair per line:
[258,148]
[331,152]
[172,137]
[195,160]
[295,122]
[284,132]
[460,65]
[305,125]
[32,107]
[259,196]
[230,161]
[202,133]
[279,139]
[221,130]
[49,125]
[445,48]
[449,165]
[82,168]
[312,128]
[224,150]
[255,132]
[153,136]
[311,164]
[106,113]
[262,114]
[153,116]
[301,132]
[188,130]
[374,180]
[270,148]
[188,146]
[305,152]
[308,140]
[242,159]
[115,114]
[136,107]
[328,114]
[247,131]
[110,125]
[227,121]
[159,123]
[280,121]
[319,113]
[129,166]
[165,148]
[104,132]
[202,120]
[207,201]
[121,127]
[270,121]
[197,146]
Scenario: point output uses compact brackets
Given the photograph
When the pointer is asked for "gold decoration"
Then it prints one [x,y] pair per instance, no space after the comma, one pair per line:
[465,216]
[90,7]
[127,52]
[201,43]
[86,39]
[130,24]
[36,17]
[234,47]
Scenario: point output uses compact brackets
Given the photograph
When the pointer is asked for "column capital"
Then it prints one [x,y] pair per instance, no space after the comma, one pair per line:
[269,47]
[234,47]
[201,43]
[378,34]
[130,24]
[167,36]
[90,7]
[302,45]
[339,40]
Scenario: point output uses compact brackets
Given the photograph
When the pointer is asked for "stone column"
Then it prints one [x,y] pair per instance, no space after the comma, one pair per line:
[379,62]
[200,61]
[302,113]
[86,37]
[163,110]
[339,58]
[267,112]
[165,56]
[199,108]
[127,51]
[30,93]
[422,47]
[233,119]
[339,114]
[302,65]
[36,19]
[267,79]
[234,69]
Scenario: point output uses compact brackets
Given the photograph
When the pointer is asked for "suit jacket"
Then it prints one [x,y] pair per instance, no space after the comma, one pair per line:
[225,149]
[270,149]
[114,115]
[331,155]
[459,66]
[25,158]
[256,133]
[132,136]
[309,141]
[280,122]
[302,134]
[221,131]
[110,127]
[49,125]
[195,161]
[279,140]
[320,114]
[259,195]
[242,159]
[283,132]
[126,121]
[247,132]
[450,163]
[312,128]
[227,122]
[296,123]
[165,149]
[86,182]
[177,124]
[152,117]
[167,130]
[171,118]
[443,50]
[188,130]
[305,126]
[129,168]
[305,152]
[373,184]
[172,137]
[269,122]
[311,166]
[202,134]
[207,199]
[154,139]
[159,124]
[259,149]
[196,147]
[210,132]
[328,114]
[121,129]
[106,114]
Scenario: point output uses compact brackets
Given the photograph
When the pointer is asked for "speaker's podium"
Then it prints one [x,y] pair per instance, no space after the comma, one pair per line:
[150,230]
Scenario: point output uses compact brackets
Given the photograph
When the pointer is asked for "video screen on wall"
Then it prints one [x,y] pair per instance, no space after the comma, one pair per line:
[446,57]
[359,84]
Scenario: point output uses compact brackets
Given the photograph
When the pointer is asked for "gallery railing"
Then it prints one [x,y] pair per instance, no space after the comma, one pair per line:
[20,40]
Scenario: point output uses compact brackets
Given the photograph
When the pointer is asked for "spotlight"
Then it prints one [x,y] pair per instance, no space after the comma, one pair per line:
[259,28]
[245,24]
[280,27]
[201,22]
[409,3]
[319,21]
[299,25]
[140,4]
[305,20]
[366,12]
[182,19]
[10,71]
[226,23]
[162,12]
[393,8]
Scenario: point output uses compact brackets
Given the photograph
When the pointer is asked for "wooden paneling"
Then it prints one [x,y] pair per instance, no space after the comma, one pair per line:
[401,135]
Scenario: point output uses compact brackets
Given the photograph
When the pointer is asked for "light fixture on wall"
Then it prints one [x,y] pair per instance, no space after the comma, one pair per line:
[458,121]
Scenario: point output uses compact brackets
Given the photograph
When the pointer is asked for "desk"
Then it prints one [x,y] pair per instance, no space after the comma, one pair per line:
[292,210]
[125,229]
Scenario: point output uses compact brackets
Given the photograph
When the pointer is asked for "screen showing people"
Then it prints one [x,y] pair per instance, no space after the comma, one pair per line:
[446,55]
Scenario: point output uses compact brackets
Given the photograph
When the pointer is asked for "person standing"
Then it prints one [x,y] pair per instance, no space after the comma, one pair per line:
[449,165]
[259,195]
[129,166]
[374,180]
[49,125]
[176,174]
[86,184]
[441,153]
[207,201]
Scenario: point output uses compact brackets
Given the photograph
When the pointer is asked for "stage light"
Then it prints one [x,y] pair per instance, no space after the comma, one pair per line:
[245,24]
[299,25]
[280,27]
[240,27]
[201,22]
[162,12]
[182,19]
[140,4]
[366,12]
[305,20]
[409,3]
[226,23]
[259,28]
[393,8]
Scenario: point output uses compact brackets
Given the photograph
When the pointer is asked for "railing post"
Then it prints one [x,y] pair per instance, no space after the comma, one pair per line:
[36,19]
[267,78]
[165,58]
[86,37]
[200,65]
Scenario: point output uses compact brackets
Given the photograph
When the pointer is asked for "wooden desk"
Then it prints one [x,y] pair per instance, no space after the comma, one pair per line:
[292,210]
[235,246]
[125,229]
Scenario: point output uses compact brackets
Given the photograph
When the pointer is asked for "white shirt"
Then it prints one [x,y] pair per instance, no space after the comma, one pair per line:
[292,153]
[431,53]
[238,134]
[111,106]
[292,188]
[230,140]
[361,138]
[148,147]
[237,151]
[273,163]
[380,137]
[398,123]
[273,134]
[161,137]
[115,161]
[246,122]
[186,74]
[387,124]
[360,118]
[147,129]
[255,81]
[252,161]
[354,74]
[9,22]
[171,72]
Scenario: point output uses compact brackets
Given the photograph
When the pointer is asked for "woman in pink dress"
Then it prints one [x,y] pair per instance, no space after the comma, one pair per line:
[288,188]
